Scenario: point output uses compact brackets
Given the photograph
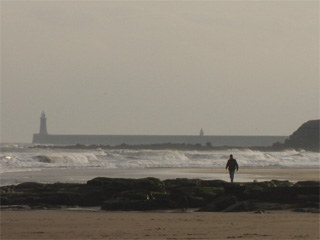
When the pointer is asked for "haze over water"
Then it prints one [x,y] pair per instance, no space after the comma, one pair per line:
[158,68]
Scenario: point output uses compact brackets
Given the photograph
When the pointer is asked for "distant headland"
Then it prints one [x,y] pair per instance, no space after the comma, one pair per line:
[305,137]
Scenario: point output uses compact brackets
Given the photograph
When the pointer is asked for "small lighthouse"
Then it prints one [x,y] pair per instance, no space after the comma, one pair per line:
[43,124]
[201,132]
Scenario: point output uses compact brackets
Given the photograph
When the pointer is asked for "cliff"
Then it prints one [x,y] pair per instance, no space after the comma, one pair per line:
[305,137]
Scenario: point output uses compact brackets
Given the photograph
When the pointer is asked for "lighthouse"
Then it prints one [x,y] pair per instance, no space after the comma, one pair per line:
[201,132]
[43,124]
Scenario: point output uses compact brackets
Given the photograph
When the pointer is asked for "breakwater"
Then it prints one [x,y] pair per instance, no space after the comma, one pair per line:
[233,141]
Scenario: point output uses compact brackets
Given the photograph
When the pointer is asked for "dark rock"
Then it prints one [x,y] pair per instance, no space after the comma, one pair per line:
[243,206]
[308,200]
[181,198]
[7,189]
[151,193]
[4,200]
[254,191]
[208,192]
[181,182]
[30,186]
[215,183]
[306,190]
[277,183]
[219,204]
[133,195]
[235,189]
[122,184]
[307,184]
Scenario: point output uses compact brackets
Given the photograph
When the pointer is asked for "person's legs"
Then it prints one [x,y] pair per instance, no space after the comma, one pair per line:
[231,175]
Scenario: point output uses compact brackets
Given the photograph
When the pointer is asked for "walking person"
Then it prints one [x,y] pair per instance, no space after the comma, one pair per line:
[232,165]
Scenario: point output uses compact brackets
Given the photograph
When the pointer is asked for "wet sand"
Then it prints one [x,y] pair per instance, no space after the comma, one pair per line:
[293,175]
[155,225]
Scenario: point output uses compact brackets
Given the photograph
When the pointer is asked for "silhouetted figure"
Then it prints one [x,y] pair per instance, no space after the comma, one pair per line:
[232,165]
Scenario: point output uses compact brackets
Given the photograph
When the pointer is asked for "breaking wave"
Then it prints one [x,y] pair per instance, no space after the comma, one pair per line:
[25,159]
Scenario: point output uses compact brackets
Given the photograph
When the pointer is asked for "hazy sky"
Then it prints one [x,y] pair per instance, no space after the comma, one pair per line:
[153,67]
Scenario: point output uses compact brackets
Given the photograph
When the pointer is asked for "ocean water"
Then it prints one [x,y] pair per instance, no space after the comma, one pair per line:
[19,163]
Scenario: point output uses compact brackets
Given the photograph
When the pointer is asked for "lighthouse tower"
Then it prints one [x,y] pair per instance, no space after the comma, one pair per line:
[201,132]
[43,124]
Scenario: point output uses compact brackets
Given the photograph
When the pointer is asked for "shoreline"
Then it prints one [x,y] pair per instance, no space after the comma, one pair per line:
[81,175]
[293,175]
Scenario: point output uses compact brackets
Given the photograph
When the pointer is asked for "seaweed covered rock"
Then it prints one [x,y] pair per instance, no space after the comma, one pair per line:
[193,193]
[242,206]
[220,203]
[307,184]
[181,182]
[151,194]
[123,184]
[30,186]
[215,183]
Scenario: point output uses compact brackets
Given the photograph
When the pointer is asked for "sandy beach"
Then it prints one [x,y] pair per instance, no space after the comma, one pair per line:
[71,224]
[157,225]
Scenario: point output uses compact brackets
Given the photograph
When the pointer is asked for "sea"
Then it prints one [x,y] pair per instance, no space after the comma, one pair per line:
[24,163]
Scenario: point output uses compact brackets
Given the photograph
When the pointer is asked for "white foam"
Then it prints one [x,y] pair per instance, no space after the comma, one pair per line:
[26,159]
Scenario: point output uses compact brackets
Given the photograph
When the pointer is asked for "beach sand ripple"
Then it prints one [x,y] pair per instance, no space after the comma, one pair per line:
[157,225]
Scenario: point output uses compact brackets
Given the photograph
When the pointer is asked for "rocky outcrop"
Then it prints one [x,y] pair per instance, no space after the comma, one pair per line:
[305,137]
[152,194]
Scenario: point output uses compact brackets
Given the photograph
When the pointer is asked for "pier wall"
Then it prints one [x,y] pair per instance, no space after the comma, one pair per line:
[237,141]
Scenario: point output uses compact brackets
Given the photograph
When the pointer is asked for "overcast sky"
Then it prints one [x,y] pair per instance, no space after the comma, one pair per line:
[153,67]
